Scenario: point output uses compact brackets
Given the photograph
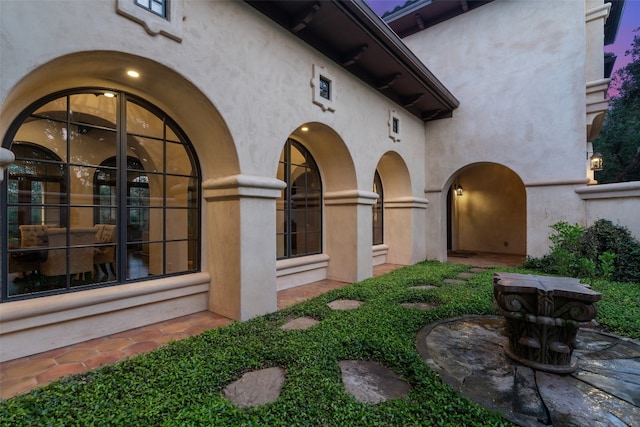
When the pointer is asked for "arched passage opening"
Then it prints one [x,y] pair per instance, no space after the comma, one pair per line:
[343,212]
[400,209]
[486,211]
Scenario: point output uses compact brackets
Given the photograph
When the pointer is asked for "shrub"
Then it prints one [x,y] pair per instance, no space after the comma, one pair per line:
[602,250]
[605,237]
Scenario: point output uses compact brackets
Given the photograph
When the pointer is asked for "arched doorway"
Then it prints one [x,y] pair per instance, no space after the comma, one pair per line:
[486,211]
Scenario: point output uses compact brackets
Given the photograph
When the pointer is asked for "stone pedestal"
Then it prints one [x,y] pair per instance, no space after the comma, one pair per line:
[543,315]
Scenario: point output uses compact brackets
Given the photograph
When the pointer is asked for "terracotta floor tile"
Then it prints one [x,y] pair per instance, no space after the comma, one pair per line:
[140,347]
[15,386]
[105,358]
[79,355]
[51,354]
[126,334]
[151,335]
[117,344]
[30,368]
[89,344]
[60,371]
[197,329]
[176,327]
[166,338]
[11,364]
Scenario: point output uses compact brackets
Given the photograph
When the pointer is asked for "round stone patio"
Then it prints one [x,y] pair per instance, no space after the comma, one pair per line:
[468,353]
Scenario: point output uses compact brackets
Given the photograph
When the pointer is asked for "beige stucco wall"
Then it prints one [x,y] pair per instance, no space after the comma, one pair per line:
[238,86]
[518,69]
[618,203]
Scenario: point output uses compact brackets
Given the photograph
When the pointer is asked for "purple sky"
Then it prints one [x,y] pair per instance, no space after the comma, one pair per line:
[630,21]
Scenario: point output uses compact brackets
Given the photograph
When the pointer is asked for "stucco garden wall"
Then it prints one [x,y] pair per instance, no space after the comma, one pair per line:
[618,203]
[518,69]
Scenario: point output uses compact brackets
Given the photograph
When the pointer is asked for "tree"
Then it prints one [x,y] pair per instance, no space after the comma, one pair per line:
[619,139]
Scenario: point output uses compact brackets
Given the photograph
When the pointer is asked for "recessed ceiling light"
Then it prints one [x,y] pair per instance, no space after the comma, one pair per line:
[109,94]
[304,128]
[133,73]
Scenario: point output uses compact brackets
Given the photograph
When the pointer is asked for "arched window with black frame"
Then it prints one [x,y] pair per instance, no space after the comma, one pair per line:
[378,211]
[106,179]
[299,209]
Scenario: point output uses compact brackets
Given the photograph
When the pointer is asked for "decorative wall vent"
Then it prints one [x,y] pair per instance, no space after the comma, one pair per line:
[324,88]
[394,126]
[154,24]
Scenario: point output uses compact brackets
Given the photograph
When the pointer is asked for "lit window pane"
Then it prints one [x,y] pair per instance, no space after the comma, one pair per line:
[178,160]
[93,109]
[141,121]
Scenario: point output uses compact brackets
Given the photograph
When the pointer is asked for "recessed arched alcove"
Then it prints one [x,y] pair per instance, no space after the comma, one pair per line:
[488,212]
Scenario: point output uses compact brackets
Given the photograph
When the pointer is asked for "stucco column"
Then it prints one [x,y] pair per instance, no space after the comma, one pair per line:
[348,233]
[404,230]
[436,226]
[240,238]
[6,158]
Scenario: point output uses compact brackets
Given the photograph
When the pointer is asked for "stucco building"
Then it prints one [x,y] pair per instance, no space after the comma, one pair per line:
[164,157]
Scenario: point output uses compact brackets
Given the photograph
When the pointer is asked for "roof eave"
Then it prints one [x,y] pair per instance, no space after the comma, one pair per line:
[367,24]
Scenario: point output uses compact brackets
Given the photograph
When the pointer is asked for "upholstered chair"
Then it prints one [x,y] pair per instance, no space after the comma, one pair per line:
[104,256]
[31,236]
[80,260]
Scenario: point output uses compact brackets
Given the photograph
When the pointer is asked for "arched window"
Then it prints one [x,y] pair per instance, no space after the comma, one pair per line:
[106,179]
[299,209]
[378,211]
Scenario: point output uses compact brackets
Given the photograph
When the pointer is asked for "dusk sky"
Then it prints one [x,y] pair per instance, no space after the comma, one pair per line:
[629,22]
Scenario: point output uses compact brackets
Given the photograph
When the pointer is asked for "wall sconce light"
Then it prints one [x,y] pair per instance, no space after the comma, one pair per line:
[595,161]
[458,190]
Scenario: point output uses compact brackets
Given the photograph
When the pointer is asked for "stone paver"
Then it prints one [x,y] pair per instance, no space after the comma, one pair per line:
[455,281]
[423,287]
[465,275]
[344,304]
[468,353]
[256,388]
[300,323]
[418,305]
[371,382]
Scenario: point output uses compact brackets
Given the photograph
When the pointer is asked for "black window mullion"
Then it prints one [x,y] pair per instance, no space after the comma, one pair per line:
[288,232]
[164,196]
[67,202]
[122,190]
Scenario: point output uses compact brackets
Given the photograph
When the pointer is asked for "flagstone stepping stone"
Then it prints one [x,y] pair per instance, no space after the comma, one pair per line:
[255,388]
[477,269]
[419,305]
[455,281]
[345,304]
[465,275]
[371,382]
[423,287]
[300,323]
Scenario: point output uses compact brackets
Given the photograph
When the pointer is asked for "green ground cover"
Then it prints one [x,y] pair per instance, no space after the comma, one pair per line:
[181,384]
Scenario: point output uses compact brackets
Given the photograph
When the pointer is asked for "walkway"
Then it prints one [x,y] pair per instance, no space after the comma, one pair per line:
[21,375]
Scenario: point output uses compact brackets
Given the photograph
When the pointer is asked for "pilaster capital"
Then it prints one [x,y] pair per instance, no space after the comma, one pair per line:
[241,186]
